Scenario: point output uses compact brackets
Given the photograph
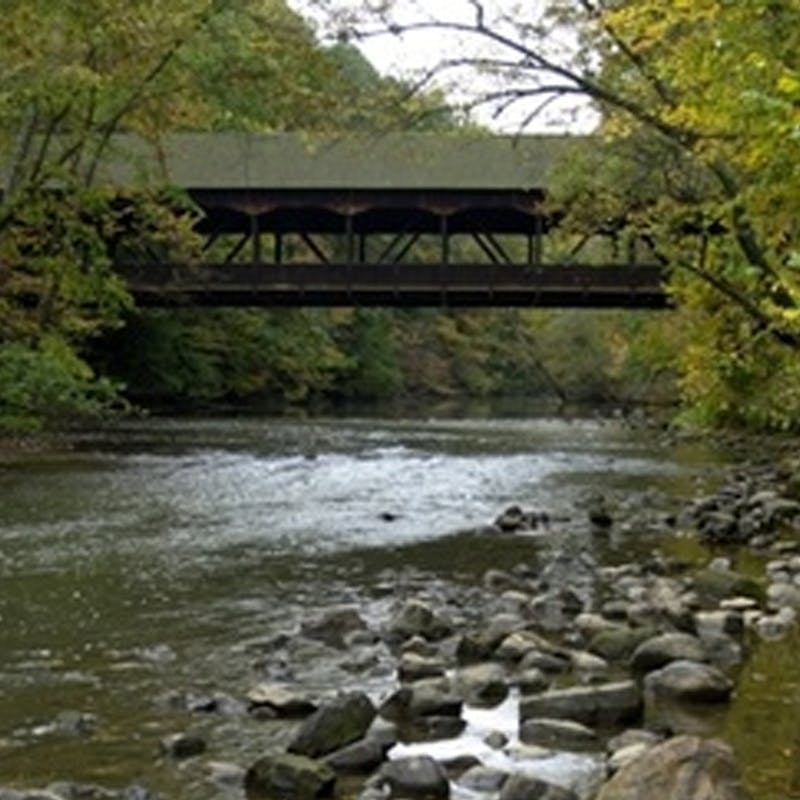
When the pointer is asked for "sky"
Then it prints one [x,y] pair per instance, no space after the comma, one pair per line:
[412,54]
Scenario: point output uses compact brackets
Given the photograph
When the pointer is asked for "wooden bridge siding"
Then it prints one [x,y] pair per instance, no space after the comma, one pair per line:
[403,285]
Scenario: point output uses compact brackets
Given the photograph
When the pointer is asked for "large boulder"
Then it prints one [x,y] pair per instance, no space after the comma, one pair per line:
[289,777]
[342,721]
[690,682]
[603,704]
[417,778]
[683,768]
[660,650]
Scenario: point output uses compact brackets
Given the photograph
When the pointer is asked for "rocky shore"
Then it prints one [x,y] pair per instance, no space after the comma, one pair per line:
[572,680]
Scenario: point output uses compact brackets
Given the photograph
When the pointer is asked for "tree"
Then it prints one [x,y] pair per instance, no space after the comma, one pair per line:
[74,75]
[697,153]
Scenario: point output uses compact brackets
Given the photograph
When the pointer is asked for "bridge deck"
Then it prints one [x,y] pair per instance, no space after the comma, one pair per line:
[399,285]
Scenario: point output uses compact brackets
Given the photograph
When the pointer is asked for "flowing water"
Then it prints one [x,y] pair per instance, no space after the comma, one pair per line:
[159,559]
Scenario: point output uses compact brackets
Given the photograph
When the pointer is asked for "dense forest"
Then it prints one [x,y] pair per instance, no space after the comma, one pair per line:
[699,141]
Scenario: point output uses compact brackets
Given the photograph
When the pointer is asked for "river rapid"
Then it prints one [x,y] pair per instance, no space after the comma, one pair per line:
[157,561]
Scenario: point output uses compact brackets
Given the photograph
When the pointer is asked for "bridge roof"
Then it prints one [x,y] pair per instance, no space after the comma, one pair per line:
[394,161]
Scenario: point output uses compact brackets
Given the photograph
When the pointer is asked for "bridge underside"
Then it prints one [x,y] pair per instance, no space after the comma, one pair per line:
[391,247]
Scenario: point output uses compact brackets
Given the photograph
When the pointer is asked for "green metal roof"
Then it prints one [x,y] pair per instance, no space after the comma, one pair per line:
[300,161]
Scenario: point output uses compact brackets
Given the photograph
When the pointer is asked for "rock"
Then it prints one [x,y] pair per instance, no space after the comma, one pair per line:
[431,728]
[590,624]
[414,667]
[740,604]
[497,740]
[75,723]
[660,650]
[417,778]
[80,791]
[719,526]
[289,777]
[481,645]
[689,681]
[416,618]
[137,792]
[430,697]
[514,519]
[783,595]
[587,662]
[182,745]
[716,584]
[562,734]
[599,515]
[774,626]
[283,701]
[722,622]
[472,648]
[532,681]
[521,787]
[604,704]
[496,580]
[684,768]
[333,726]
[625,755]
[483,779]
[619,643]
[359,758]
[333,626]
[722,650]
[483,684]
[420,646]
[552,663]
[516,645]
[634,736]
[225,775]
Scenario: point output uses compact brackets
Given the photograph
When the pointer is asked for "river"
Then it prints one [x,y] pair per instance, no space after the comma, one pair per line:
[156,560]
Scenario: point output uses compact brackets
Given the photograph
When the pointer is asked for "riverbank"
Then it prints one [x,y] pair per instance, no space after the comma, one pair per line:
[471,650]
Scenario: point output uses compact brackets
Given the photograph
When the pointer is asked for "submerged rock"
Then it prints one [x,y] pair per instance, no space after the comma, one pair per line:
[182,745]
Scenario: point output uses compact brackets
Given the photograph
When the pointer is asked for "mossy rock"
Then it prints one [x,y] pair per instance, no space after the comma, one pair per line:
[713,585]
[289,777]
